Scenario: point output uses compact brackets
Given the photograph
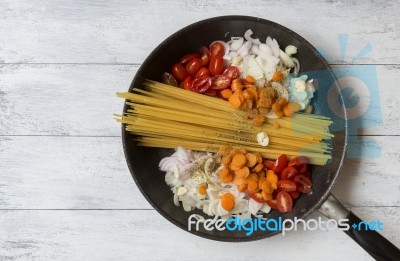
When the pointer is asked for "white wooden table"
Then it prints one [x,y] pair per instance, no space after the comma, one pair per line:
[65,190]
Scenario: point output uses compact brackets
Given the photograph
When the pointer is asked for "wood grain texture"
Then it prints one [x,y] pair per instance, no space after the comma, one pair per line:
[75,31]
[80,99]
[91,173]
[145,235]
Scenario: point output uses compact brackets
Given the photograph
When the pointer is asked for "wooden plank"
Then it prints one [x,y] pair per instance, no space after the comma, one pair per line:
[40,172]
[48,31]
[146,235]
[80,99]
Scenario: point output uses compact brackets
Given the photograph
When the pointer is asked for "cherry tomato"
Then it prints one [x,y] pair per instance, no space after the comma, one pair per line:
[294,194]
[280,163]
[188,57]
[201,84]
[204,50]
[232,71]
[256,196]
[167,78]
[272,203]
[205,60]
[269,164]
[216,66]
[286,185]
[284,202]
[178,71]
[187,83]
[289,173]
[302,168]
[217,49]
[299,160]
[220,82]
[193,66]
[303,183]
[201,72]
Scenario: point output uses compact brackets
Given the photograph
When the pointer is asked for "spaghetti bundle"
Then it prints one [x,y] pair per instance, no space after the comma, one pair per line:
[164,116]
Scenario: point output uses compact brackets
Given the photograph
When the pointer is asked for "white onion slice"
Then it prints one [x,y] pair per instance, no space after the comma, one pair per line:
[236,44]
[286,60]
[275,48]
[247,36]
[296,69]
[265,49]
[255,50]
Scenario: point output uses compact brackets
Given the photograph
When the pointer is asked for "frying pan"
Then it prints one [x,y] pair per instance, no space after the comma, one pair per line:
[143,162]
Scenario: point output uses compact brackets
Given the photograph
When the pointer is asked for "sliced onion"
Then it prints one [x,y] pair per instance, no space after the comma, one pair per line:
[290,50]
[248,44]
[296,69]
[255,50]
[236,44]
[286,60]
[227,48]
[265,49]
[275,48]
[268,41]
[254,206]
[247,36]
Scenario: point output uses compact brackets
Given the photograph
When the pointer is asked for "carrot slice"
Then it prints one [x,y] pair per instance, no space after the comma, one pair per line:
[226,179]
[234,100]
[202,189]
[242,187]
[243,172]
[272,177]
[251,160]
[252,186]
[226,93]
[239,160]
[227,203]
[277,76]
[259,167]
[266,196]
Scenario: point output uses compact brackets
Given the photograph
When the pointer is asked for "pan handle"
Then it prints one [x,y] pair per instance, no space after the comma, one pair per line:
[374,243]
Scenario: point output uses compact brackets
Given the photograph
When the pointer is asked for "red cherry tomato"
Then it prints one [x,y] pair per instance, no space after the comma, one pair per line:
[294,194]
[256,196]
[286,185]
[205,60]
[167,78]
[204,50]
[232,71]
[201,84]
[178,71]
[216,66]
[302,168]
[299,160]
[217,49]
[187,83]
[284,202]
[188,57]
[269,164]
[289,173]
[193,66]
[201,72]
[272,203]
[220,82]
[303,183]
[308,174]
[280,163]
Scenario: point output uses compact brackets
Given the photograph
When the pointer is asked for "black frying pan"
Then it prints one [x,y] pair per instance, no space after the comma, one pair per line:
[143,162]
